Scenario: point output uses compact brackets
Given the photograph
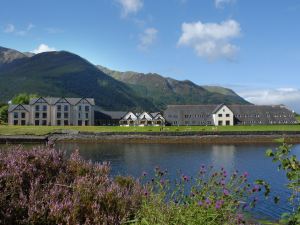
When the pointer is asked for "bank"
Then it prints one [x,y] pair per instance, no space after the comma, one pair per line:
[209,137]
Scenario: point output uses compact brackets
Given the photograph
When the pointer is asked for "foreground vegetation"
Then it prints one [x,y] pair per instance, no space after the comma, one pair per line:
[44,130]
[43,186]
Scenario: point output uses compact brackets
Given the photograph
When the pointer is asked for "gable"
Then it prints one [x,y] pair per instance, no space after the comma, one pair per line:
[39,100]
[130,115]
[62,100]
[146,116]
[223,109]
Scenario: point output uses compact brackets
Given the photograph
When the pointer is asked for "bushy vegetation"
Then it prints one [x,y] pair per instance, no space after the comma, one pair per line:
[209,198]
[42,186]
[291,165]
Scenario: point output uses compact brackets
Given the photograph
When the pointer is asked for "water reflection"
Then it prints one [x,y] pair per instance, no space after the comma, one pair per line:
[223,156]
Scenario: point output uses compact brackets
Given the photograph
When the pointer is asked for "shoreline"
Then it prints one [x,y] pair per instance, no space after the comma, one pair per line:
[157,137]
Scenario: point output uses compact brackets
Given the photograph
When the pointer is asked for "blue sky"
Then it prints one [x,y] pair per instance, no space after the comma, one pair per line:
[250,46]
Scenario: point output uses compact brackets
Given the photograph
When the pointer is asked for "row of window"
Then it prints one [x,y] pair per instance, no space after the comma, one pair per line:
[59,108]
[221,115]
[23,122]
[16,115]
[196,116]
[267,115]
[58,115]
[227,123]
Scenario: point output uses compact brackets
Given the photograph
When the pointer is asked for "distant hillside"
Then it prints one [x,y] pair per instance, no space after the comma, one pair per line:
[66,74]
[163,91]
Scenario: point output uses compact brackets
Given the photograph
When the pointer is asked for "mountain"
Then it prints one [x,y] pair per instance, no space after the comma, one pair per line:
[66,74]
[163,90]
[9,55]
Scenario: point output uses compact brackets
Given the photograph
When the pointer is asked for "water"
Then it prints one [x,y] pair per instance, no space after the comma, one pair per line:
[134,159]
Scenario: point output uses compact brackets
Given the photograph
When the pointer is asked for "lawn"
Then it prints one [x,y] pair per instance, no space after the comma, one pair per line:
[43,130]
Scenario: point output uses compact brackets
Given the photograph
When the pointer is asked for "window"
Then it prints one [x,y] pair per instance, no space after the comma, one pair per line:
[79,108]
[86,115]
[16,115]
[37,108]
[59,108]
[15,122]
[79,115]
[58,115]
[37,122]
[87,108]
[44,115]
[66,108]
[66,122]
[37,115]
[58,122]
[44,122]
[23,115]
[227,115]
[220,123]
[66,115]
[23,122]
[86,123]
[79,122]
[44,107]
[227,122]
[220,115]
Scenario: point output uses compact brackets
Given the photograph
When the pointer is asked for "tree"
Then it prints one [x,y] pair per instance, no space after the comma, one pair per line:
[3,114]
[23,98]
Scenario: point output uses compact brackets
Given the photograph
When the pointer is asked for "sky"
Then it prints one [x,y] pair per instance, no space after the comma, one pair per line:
[250,46]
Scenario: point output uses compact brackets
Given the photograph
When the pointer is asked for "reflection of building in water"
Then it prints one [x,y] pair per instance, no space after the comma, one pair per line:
[223,156]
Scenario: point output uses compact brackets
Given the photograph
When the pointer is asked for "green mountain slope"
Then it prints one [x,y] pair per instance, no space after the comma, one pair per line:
[163,91]
[66,74]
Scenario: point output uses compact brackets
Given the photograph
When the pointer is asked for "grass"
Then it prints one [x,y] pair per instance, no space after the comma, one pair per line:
[298,118]
[44,130]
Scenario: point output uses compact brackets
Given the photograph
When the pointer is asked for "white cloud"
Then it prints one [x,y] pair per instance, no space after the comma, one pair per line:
[9,28]
[147,38]
[130,6]
[25,31]
[287,96]
[211,40]
[43,48]
[221,3]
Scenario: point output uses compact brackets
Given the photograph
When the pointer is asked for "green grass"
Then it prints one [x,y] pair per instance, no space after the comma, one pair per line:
[43,130]
[298,118]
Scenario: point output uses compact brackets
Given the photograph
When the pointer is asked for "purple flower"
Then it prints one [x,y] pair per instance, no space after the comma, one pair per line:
[222,182]
[225,192]
[200,203]
[207,201]
[185,178]
[218,204]
[245,174]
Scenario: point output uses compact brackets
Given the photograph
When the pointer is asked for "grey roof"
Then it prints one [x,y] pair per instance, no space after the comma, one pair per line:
[13,107]
[205,109]
[114,114]
[217,108]
[54,100]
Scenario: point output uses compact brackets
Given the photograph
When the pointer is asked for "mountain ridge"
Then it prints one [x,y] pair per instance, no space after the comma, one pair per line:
[62,73]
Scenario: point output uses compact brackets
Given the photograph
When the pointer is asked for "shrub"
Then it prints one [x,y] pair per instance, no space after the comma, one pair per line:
[42,186]
[291,165]
[210,198]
